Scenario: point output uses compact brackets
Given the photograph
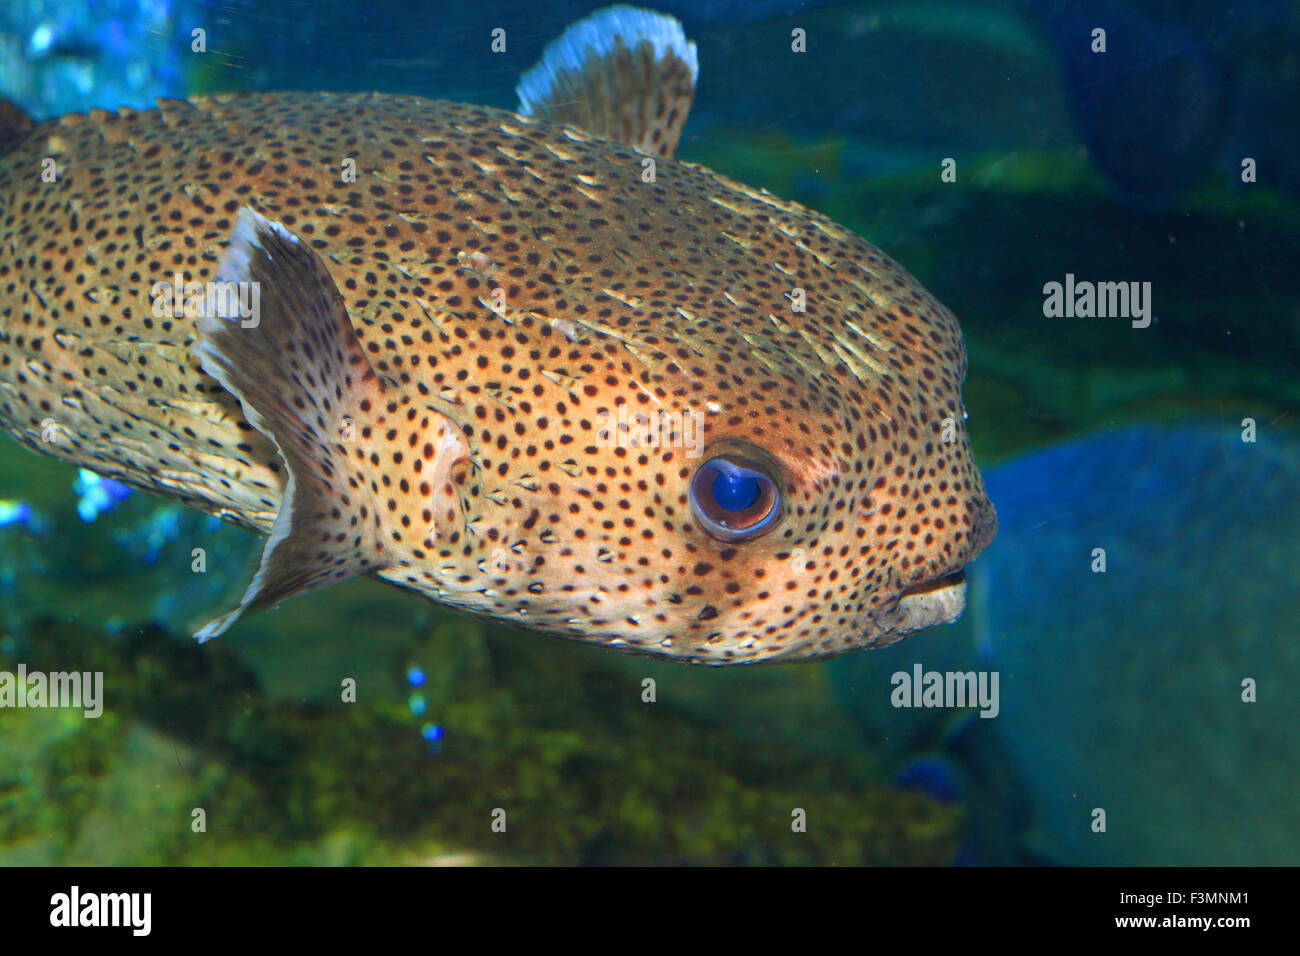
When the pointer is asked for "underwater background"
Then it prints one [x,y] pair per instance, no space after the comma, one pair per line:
[1159,687]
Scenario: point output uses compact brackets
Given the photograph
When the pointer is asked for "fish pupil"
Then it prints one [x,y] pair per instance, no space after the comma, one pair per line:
[735,492]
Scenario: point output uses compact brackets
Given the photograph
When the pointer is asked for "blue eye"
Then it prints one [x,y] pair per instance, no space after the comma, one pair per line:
[735,492]
[734,500]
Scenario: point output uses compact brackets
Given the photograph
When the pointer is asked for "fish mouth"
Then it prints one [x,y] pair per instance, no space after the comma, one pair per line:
[940,600]
[937,600]
[936,584]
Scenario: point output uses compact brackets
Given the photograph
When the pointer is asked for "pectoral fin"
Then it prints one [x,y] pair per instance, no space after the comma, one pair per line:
[300,374]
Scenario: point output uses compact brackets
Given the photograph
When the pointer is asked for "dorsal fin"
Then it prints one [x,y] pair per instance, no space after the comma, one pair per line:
[302,377]
[14,124]
[621,74]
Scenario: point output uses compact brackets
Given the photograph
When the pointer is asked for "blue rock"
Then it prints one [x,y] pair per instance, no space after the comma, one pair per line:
[1123,691]
[1153,109]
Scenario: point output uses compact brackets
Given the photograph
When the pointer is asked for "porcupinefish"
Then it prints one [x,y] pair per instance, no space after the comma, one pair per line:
[440,369]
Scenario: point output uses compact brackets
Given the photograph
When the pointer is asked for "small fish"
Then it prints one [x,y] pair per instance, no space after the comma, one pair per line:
[526,364]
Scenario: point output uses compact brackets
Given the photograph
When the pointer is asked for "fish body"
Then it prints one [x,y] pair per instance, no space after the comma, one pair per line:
[451,346]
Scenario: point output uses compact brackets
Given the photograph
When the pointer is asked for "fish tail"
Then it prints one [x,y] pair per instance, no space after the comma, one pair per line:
[621,74]
[294,362]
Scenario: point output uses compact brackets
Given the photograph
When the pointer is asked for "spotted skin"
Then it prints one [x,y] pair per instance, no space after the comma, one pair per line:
[674,295]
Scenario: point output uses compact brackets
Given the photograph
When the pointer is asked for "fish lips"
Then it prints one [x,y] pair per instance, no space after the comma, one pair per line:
[941,599]
[938,601]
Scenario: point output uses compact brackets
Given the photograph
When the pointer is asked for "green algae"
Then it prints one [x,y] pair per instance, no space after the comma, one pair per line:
[585,771]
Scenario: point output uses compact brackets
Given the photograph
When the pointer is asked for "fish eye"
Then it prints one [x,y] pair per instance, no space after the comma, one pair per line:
[735,499]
